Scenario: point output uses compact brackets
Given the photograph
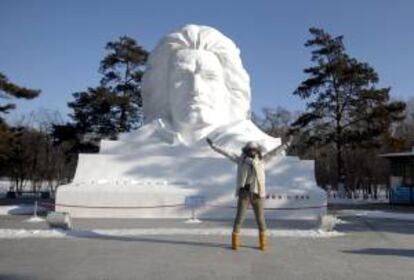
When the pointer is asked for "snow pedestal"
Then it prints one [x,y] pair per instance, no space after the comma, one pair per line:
[129,200]
[131,184]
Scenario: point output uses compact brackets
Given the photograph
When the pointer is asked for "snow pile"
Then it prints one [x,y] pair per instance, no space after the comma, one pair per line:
[378,214]
[193,221]
[328,222]
[34,219]
[102,233]
[20,209]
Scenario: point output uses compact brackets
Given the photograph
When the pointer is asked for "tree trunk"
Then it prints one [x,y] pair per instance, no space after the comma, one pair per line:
[339,162]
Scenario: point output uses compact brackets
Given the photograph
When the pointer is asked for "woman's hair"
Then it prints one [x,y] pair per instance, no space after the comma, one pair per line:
[155,84]
[245,151]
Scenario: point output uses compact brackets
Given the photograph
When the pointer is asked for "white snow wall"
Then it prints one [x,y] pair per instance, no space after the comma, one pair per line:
[128,179]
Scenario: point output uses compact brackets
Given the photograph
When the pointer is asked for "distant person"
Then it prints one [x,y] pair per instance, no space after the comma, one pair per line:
[250,186]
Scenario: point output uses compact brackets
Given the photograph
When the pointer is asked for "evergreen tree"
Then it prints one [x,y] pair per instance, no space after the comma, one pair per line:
[94,112]
[114,106]
[5,139]
[344,106]
[123,68]
[10,90]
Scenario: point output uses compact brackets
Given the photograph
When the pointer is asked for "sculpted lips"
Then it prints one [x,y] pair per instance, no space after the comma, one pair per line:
[197,103]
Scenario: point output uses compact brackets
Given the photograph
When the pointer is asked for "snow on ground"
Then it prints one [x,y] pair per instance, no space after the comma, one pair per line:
[377,214]
[20,209]
[4,188]
[193,221]
[102,233]
[35,219]
[4,185]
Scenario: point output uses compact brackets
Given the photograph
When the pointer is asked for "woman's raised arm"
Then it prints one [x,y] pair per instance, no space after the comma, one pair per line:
[277,150]
[231,156]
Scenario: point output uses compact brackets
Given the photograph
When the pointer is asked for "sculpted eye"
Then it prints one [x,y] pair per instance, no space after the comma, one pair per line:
[178,84]
[210,76]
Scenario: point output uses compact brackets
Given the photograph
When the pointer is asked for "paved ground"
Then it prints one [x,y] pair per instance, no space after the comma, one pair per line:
[371,249]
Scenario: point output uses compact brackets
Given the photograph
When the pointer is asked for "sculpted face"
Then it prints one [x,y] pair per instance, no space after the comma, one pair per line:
[198,93]
[195,82]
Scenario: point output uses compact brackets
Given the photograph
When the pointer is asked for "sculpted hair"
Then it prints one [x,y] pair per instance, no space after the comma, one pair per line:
[156,77]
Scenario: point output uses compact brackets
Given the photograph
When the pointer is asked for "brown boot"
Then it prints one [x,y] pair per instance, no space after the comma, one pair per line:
[263,241]
[235,241]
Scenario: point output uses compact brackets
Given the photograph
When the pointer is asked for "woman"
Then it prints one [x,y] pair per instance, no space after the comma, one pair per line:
[250,186]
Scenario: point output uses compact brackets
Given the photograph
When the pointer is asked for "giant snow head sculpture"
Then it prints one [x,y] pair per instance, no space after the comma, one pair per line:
[195,79]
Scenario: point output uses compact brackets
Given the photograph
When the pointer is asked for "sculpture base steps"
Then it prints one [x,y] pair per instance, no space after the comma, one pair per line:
[124,186]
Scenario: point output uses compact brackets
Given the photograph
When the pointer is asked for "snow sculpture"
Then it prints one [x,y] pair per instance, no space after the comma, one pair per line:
[194,87]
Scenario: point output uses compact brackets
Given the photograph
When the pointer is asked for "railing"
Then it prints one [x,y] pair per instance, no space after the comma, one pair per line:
[28,194]
[357,198]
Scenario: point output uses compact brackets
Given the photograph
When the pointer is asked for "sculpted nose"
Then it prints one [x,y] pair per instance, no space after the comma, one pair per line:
[196,85]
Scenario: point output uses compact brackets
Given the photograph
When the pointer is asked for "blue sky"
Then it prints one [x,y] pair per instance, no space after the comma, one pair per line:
[56,46]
